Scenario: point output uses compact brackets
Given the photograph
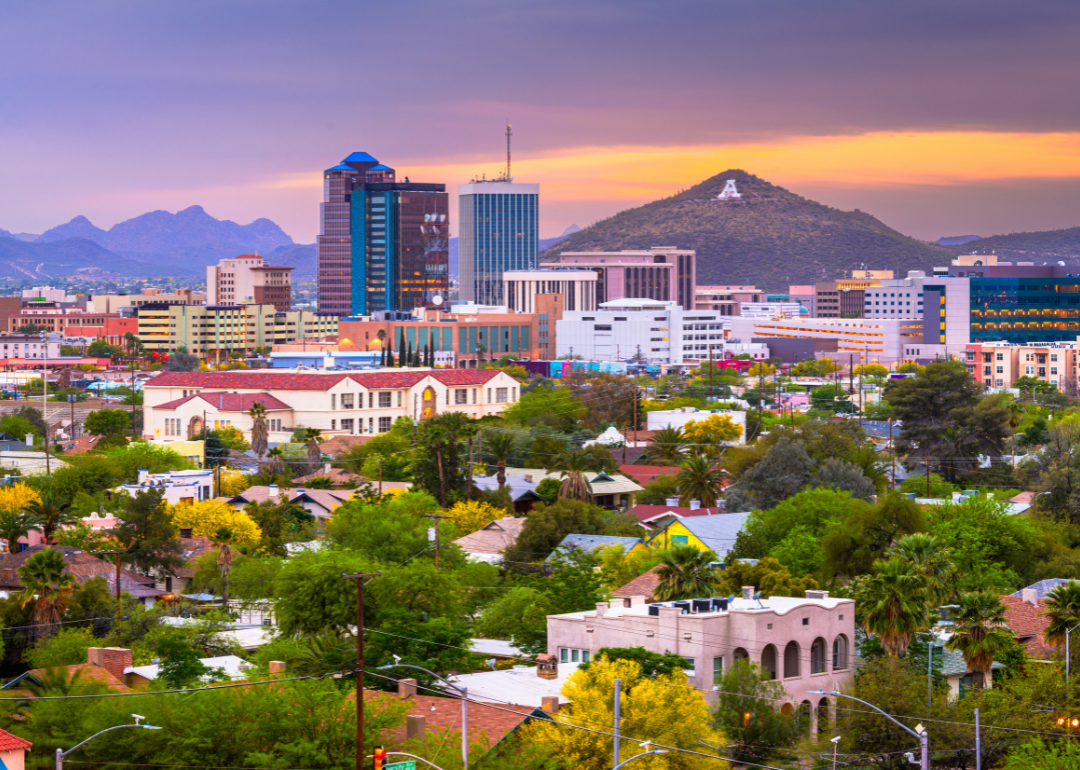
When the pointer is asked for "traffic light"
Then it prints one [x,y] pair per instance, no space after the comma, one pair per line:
[1068,722]
[379,755]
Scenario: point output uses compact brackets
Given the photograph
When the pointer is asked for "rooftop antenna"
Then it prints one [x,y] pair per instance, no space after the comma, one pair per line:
[509,133]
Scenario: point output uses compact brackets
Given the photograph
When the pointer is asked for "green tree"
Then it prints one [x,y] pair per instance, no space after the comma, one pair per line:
[668,447]
[698,480]
[768,575]
[747,689]
[1063,610]
[311,595]
[547,525]
[980,633]
[499,445]
[685,573]
[852,545]
[15,525]
[653,664]
[781,473]
[1041,755]
[556,407]
[181,361]
[895,604]
[932,559]
[281,523]
[658,490]
[102,349]
[64,648]
[831,398]
[837,474]
[441,466]
[47,588]
[147,532]
[107,422]
[543,449]
[50,513]
[572,468]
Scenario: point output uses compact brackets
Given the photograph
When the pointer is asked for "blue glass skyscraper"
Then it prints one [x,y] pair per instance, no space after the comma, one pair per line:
[498,231]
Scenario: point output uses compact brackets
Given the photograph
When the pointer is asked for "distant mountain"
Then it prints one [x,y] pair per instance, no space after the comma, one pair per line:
[303,257]
[79,227]
[157,243]
[771,237]
[957,240]
[542,244]
[1045,246]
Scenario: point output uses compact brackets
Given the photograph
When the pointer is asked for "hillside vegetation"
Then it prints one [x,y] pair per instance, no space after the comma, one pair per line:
[1038,246]
[771,238]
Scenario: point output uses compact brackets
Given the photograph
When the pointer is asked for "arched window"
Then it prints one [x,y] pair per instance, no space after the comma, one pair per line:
[740,654]
[787,709]
[840,653]
[818,662]
[822,713]
[791,660]
[768,660]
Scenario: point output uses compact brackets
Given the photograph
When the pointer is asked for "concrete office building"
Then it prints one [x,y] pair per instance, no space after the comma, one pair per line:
[521,287]
[726,299]
[248,278]
[498,231]
[663,273]
[660,332]
[772,310]
[942,303]
[383,244]
[115,303]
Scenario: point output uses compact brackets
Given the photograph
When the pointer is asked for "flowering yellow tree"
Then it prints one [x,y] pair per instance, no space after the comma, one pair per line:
[706,434]
[208,516]
[233,482]
[16,497]
[472,515]
[649,709]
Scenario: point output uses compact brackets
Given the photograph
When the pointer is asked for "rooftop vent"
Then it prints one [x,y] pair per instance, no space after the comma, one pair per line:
[672,502]
[747,592]
[185,532]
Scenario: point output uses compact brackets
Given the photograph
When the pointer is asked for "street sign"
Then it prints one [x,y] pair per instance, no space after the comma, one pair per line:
[408,764]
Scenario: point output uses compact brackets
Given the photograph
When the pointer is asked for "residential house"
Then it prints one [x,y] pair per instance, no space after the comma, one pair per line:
[176,486]
[13,751]
[192,548]
[522,490]
[960,677]
[141,676]
[488,543]
[805,643]
[646,474]
[320,503]
[82,566]
[608,491]
[716,533]
[104,666]
[178,404]
[1023,616]
[590,543]
[655,517]
[643,585]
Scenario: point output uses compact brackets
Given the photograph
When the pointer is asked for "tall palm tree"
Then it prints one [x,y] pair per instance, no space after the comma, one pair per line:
[698,480]
[260,432]
[48,588]
[1063,609]
[16,524]
[572,467]
[500,445]
[275,465]
[314,452]
[979,633]
[932,560]
[685,573]
[668,447]
[51,513]
[897,606]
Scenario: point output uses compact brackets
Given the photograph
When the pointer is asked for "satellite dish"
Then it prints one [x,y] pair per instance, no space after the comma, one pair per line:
[437,299]
[427,217]
[442,217]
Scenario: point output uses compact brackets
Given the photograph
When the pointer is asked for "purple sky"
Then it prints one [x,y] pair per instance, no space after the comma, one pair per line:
[114,108]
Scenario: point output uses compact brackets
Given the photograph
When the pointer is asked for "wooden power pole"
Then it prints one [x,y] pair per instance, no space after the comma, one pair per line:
[359,578]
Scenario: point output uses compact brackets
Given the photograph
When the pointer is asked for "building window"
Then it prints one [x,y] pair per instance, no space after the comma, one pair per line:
[500,395]
[333,425]
[347,425]
[384,399]
[488,396]
[461,396]
[679,539]
[717,668]
[570,655]
[400,395]
[333,401]
[384,424]
[818,663]
[840,653]
[474,395]
[689,666]
[346,400]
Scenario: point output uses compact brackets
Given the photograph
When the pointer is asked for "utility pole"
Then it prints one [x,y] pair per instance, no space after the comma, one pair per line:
[380,476]
[44,397]
[927,470]
[133,398]
[435,530]
[117,554]
[359,578]
[470,469]
[710,397]
[892,455]
[635,416]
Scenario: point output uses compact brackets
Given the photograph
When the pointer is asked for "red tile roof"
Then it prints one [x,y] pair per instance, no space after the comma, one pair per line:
[294,381]
[496,720]
[232,402]
[82,566]
[1023,619]
[642,585]
[9,742]
[643,474]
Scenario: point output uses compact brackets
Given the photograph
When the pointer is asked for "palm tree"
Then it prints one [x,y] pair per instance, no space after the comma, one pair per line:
[500,445]
[698,480]
[46,585]
[50,513]
[685,573]
[260,433]
[668,447]
[572,467]
[1063,609]
[932,560]
[223,537]
[311,437]
[979,633]
[16,524]
[275,466]
[897,608]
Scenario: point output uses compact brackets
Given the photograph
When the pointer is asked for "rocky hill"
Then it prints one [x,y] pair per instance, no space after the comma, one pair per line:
[770,238]
[1046,246]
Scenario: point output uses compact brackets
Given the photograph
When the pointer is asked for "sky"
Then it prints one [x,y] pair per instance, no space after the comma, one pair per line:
[940,118]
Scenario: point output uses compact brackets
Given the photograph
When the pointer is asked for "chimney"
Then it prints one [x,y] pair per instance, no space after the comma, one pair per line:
[695,504]
[277,667]
[112,659]
[550,704]
[407,689]
[1030,595]
[748,592]
[601,608]
[415,726]
[273,492]
[7,574]
[672,502]
[185,532]
[528,478]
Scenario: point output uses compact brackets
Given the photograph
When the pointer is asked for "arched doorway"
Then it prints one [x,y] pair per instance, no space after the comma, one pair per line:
[787,709]
[822,713]
[791,660]
[195,427]
[740,654]
[429,403]
[768,660]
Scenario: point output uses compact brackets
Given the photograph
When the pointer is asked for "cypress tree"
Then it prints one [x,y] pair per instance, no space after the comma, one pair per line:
[409,354]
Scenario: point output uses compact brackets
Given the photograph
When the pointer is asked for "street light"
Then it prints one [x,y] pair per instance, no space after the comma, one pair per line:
[646,745]
[1035,503]
[60,753]
[922,736]
[464,705]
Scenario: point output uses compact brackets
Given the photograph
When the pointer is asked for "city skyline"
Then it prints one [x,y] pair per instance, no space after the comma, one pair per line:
[937,120]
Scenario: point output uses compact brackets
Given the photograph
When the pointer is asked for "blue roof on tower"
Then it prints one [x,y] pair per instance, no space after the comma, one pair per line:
[359,157]
[341,167]
[380,167]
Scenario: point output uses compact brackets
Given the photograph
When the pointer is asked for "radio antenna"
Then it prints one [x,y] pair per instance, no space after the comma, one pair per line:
[509,133]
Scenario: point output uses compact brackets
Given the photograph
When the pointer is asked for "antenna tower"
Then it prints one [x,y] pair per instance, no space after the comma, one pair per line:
[509,133]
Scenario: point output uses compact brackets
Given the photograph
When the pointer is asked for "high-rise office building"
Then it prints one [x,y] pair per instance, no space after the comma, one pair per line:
[383,243]
[498,231]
